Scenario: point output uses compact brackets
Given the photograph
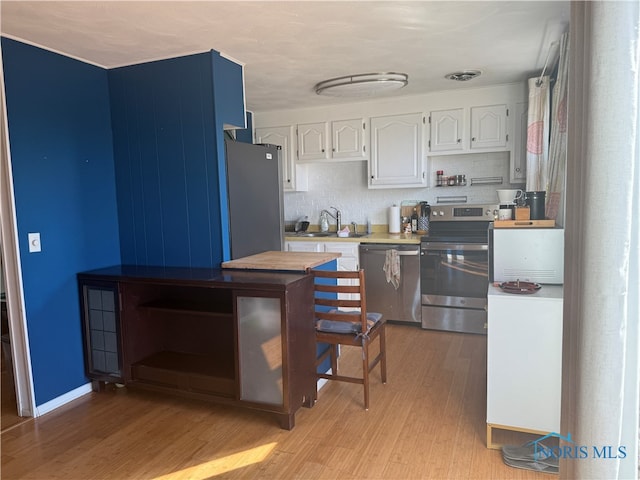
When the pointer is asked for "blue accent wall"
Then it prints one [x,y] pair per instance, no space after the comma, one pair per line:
[166,147]
[228,102]
[64,181]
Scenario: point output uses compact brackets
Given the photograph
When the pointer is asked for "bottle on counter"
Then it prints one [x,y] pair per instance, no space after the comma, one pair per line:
[414,220]
[324,222]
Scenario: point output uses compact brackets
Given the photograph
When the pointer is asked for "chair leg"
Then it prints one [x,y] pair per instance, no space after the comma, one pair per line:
[365,372]
[334,359]
[383,353]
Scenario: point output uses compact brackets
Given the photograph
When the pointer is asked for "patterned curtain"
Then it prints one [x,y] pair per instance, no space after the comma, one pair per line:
[538,134]
[558,142]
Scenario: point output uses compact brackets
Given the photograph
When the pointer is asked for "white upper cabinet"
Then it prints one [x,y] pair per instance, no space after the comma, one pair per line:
[347,139]
[518,164]
[396,151]
[447,130]
[339,140]
[312,141]
[294,177]
[489,126]
[470,129]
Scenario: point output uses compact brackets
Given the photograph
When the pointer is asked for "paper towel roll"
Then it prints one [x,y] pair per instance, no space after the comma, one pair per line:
[394,219]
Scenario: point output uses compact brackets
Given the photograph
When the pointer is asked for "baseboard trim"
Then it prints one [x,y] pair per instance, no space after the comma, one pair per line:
[63,399]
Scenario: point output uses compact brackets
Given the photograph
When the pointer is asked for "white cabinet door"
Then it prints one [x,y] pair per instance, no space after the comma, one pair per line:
[303,247]
[349,252]
[447,130]
[524,359]
[312,141]
[489,126]
[347,262]
[294,177]
[396,151]
[347,139]
[518,163]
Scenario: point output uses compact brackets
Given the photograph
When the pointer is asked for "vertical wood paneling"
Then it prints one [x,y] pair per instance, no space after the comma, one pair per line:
[163,117]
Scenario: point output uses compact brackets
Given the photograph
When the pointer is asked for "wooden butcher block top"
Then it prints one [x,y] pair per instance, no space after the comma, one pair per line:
[296,261]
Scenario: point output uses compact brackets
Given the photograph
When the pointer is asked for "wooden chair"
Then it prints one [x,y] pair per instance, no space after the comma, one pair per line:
[342,319]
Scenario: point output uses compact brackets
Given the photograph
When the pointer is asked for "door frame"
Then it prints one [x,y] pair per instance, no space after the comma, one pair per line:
[10,251]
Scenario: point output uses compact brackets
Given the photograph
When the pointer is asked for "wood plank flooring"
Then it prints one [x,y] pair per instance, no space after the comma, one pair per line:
[428,421]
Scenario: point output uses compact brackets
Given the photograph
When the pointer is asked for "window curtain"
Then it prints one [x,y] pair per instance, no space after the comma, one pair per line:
[602,254]
[538,134]
[558,141]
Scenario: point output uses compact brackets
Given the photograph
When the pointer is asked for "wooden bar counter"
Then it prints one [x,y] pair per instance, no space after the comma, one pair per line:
[233,336]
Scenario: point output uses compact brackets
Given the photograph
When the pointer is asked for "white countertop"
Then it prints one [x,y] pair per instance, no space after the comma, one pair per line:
[546,291]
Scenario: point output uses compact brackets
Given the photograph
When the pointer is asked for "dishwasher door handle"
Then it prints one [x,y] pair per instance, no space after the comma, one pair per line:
[401,253]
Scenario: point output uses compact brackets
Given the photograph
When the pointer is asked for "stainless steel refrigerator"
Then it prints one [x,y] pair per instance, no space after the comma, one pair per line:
[254,189]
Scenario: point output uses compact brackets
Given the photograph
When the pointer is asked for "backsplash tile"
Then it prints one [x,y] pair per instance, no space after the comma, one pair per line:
[344,186]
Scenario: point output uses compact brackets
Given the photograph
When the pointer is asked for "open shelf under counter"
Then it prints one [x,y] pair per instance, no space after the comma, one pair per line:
[187,306]
[185,371]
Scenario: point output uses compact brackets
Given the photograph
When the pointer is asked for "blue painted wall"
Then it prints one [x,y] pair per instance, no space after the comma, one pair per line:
[169,156]
[63,173]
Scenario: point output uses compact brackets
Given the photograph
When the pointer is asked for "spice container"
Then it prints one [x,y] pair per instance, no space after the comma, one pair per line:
[440,176]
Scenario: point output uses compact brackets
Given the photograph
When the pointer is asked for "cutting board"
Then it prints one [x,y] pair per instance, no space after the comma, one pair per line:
[295,261]
[524,223]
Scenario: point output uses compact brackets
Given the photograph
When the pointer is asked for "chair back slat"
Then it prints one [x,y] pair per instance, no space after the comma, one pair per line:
[331,295]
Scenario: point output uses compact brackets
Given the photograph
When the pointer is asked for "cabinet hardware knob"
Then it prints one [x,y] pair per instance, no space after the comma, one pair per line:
[473,139]
[459,140]
[518,169]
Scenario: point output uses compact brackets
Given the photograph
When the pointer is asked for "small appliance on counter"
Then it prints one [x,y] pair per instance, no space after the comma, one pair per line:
[526,254]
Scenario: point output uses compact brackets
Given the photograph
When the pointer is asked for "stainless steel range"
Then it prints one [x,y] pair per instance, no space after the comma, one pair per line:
[454,268]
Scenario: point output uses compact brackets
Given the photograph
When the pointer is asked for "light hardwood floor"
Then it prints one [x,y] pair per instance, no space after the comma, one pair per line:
[428,421]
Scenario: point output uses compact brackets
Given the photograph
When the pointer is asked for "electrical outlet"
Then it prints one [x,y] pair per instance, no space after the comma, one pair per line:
[34,242]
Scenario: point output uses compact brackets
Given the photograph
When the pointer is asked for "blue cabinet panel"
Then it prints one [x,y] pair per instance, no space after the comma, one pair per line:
[246,134]
[228,91]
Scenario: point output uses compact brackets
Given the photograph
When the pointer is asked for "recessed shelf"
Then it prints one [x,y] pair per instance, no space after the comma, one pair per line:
[188,371]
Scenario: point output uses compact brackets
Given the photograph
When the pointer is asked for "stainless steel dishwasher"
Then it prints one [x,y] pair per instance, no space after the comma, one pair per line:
[401,304]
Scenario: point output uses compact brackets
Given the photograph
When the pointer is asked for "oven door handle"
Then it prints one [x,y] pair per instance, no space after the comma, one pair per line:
[468,247]
[401,253]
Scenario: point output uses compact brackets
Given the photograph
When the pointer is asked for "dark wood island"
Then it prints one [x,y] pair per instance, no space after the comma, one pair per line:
[239,337]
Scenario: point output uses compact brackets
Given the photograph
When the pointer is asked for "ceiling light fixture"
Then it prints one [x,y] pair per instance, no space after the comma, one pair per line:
[464,75]
[362,85]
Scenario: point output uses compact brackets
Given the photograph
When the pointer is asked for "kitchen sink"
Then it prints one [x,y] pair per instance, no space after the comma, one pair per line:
[328,234]
[315,234]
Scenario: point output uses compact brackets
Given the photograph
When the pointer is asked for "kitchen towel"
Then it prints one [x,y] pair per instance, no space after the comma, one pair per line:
[392,267]
[394,219]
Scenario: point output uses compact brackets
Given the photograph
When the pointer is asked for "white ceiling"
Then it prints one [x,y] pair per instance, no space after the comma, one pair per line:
[287,47]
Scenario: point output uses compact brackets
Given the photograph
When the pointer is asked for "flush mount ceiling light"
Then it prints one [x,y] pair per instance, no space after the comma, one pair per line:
[463,76]
[362,85]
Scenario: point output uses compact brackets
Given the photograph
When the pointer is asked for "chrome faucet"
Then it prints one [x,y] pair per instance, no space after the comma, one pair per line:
[337,217]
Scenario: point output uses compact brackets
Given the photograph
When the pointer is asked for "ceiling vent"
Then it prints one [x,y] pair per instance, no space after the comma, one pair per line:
[463,76]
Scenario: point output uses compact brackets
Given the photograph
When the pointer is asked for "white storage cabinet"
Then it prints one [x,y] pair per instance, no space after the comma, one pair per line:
[524,361]
[294,177]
